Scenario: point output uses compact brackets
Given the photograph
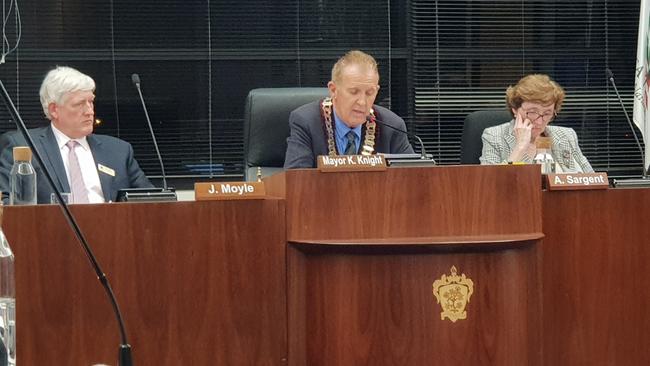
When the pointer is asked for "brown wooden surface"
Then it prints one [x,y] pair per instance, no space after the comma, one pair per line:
[365,249]
[204,283]
[380,310]
[430,244]
[596,297]
[434,240]
[199,283]
[410,202]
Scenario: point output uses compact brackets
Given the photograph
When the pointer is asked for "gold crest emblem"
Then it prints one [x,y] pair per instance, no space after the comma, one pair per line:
[453,292]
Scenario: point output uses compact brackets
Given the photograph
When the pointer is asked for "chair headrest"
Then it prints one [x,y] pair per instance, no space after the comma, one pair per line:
[471,145]
[266,122]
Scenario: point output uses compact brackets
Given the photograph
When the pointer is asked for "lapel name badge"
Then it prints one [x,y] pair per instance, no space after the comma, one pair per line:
[106,170]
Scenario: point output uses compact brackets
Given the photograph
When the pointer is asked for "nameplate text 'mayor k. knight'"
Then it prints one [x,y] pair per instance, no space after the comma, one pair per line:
[351,163]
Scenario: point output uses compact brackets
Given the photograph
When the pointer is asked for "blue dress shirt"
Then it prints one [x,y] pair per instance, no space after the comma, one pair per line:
[340,132]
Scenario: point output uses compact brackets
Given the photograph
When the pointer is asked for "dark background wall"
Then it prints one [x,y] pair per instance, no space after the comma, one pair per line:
[439,60]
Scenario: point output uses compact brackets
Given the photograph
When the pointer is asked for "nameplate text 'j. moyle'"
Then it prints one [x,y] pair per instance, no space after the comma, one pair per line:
[229,190]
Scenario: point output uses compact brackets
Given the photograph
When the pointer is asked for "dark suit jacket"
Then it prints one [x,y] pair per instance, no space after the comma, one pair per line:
[108,151]
[307,139]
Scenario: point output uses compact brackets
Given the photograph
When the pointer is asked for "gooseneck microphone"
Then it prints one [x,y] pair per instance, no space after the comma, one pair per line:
[610,76]
[124,354]
[423,153]
[135,78]
[629,183]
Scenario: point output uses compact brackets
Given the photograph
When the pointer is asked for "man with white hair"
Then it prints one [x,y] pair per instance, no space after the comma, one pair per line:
[91,167]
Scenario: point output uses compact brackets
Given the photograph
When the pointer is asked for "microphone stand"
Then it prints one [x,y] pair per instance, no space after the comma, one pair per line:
[124,352]
[629,183]
[423,159]
[148,194]
[135,78]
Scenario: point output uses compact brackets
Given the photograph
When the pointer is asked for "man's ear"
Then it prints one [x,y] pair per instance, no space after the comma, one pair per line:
[53,110]
[332,88]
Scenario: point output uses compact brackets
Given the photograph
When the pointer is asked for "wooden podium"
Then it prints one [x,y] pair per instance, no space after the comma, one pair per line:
[364,249]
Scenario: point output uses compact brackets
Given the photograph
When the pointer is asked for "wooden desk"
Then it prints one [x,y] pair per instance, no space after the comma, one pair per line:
[559,277]
[199,283]
[596,297]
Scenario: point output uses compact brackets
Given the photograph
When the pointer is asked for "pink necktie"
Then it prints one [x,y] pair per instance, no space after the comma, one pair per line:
[77,186]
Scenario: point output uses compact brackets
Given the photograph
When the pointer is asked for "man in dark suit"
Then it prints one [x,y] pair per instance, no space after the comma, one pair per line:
[91,167]
[344,123]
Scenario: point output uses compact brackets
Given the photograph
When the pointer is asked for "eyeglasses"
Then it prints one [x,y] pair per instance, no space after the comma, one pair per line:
[534,116]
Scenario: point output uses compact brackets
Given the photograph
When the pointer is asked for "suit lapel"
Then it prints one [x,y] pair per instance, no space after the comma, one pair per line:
[98,152]
[49,148]
[561,149]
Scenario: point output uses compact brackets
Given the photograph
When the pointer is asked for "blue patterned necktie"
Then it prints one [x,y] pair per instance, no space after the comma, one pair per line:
[351,147]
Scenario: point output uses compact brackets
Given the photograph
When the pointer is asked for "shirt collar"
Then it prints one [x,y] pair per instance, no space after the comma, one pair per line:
[62,139]
[342,129]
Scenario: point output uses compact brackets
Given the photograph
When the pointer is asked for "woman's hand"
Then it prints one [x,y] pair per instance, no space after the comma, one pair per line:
[524,147]
[523,130]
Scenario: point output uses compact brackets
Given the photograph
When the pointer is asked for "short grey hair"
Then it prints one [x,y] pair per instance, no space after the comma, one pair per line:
[60,81]
[353,57]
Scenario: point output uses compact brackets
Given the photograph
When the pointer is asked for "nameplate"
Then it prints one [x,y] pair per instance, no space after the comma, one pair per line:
[351,163]
[229,191]
[568,181]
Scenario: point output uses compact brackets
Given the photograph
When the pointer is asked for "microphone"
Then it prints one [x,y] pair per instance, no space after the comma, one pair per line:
[423,154]
[124,353]
[644,181]
[135,78]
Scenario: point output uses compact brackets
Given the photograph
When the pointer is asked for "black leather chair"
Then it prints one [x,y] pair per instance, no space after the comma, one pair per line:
[266,126]
[471,144]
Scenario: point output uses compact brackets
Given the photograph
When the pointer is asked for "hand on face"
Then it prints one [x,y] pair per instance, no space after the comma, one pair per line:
[523,135]
[523,130]
[535,115]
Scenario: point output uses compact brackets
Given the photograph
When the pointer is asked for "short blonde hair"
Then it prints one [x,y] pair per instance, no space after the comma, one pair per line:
[60,81]
[535,88]
[354,57]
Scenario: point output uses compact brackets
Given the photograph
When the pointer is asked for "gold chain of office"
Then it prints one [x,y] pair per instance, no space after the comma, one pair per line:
[369,139]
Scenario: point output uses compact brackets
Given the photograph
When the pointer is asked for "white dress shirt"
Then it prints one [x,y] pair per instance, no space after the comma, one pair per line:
[86,162]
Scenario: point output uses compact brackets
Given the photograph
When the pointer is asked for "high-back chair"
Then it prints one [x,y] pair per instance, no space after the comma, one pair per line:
[266,126]
[475,122]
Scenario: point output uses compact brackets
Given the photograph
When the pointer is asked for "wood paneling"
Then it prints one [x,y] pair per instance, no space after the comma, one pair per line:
[559,276]
[410,202]
[380,310]
[596,297]
[198,283]
[365,249]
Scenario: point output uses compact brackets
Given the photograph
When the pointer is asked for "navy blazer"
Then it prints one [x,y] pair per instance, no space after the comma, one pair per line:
[307,139]
[108,151]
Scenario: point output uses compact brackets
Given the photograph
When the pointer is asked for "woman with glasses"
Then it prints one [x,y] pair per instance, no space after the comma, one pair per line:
[533,102]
